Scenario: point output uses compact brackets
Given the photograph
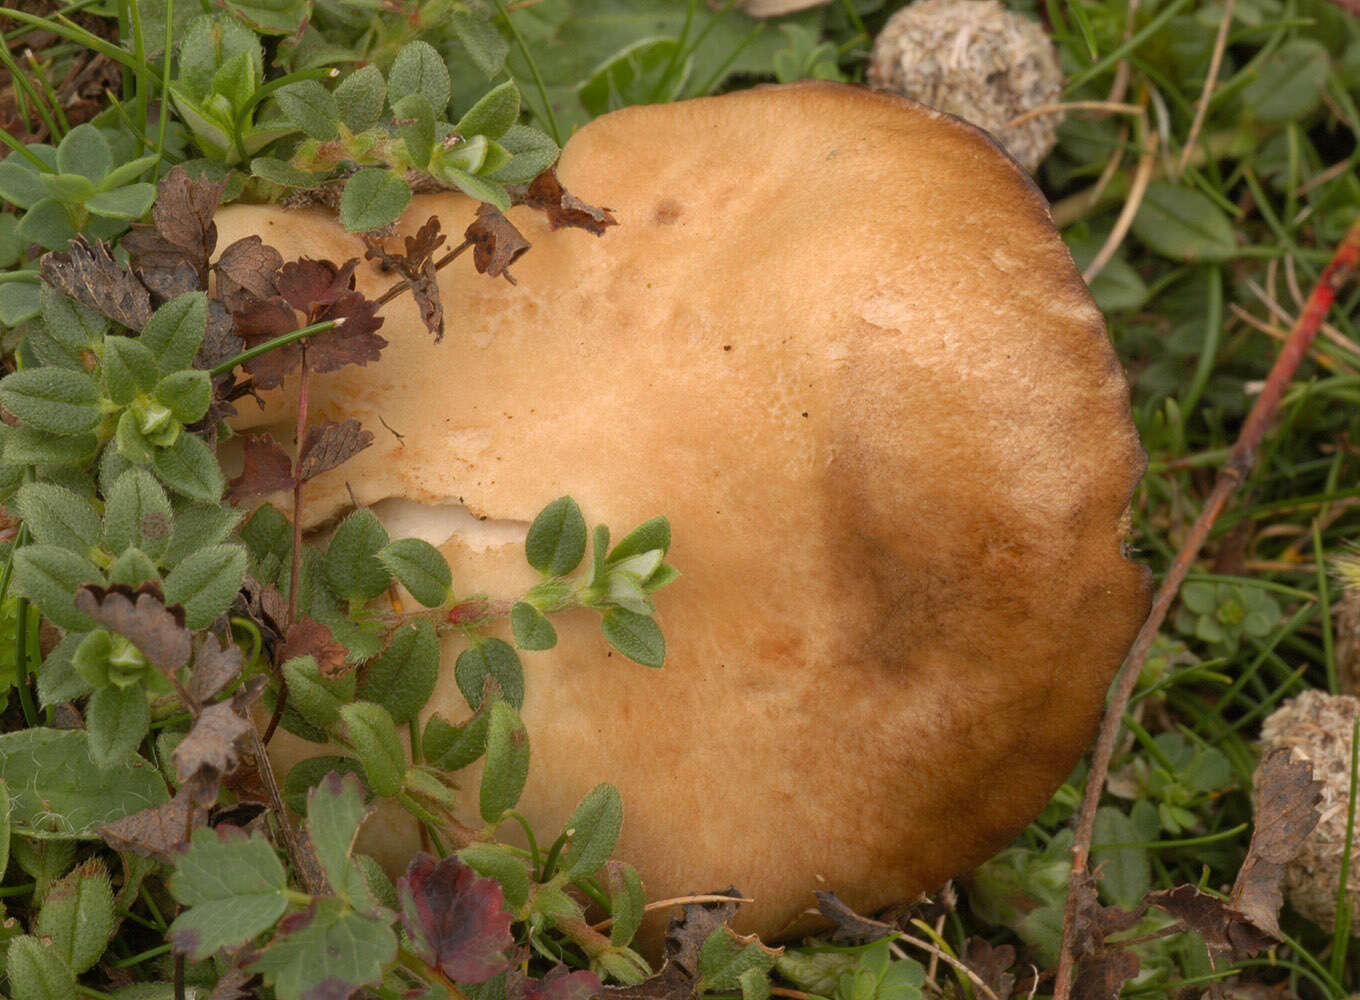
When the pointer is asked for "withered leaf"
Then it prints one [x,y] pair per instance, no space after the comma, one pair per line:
[1287,800]
[1093,923]
[353,341]
[308,637]
[158,832]
[215,667]
[214,745]
[90,275]
[309,285]
[141,617]
[496,243]
[220,341]
[560,983]
[562,208]
[328,444]
[248,267]
[1225,931]
[184,211]
[416,266]
[671,983]
[991,964]
[234,985]
[268,468]
[1103,975]
[850,926]
[258,320]
[686,934]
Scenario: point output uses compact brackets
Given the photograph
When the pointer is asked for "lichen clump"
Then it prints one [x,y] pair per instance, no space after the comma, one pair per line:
[974,59]
[1318,727]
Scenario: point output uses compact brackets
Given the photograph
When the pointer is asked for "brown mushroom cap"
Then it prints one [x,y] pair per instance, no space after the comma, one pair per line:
[837,341]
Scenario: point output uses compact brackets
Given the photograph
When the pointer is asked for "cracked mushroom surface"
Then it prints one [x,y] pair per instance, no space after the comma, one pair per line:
[836,339]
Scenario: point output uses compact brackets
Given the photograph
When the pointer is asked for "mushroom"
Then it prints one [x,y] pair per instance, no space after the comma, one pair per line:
[836,339]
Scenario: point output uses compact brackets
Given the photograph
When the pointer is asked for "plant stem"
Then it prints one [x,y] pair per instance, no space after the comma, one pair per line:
[533,70]
[269,345]
[1240,461]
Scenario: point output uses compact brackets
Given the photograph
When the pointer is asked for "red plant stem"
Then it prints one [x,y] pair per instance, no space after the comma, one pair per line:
[1235,470]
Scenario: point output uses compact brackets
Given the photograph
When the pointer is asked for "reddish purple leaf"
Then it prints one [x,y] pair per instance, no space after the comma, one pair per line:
[456,919]
[268,469]
[309,284]
[559,984]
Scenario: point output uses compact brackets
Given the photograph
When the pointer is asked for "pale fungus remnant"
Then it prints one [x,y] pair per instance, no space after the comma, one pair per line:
[836,339]
[1318,727]
[976,60]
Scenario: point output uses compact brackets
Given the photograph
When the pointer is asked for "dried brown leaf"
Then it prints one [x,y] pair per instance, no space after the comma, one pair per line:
[184,211]
[991,964]
[268,469]
[328,444]
[309,285]
[496,243]
[142,618]
[215,743]
[1104,974]
[416,266]
[308,637]
[563,209]
[219,343]
[90,275]
[850,926]
[158,832]
[248,267]
[215,668]
[354,341]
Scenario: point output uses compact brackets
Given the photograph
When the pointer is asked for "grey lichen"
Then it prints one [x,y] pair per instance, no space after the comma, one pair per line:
[1318,727]
[974,59]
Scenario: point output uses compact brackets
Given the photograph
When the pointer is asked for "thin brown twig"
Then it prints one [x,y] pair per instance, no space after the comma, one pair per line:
[1210,79]
[1235,470]
[1141,176]
[932,948]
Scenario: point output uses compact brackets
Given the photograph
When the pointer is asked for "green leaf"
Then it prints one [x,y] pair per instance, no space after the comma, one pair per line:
[21,184]
[373,735]
[130,202]
[507,762]
[307,774]
[335,811]
[1289,82]
[372,199]
[493,658]
[36,971]
[137,514]
[77,915]
[73,189]
[500,862]
[415,121]
[476,187]
[55,400]
[175,331]
[268,532]
[129,368]
[327,949]
[402,678]
[352,567]
[532,152]
[186,394]
[532,630]
[455,747]
[126,173]
[117,719]
[57,678]
[360,97]
[311,107]
[1184,224]
[627,901]
[57,516]
[635,636]
[594,831]
[277,172]
[271,17]
[206,583]
[556,542]
[234,888]
[419,69]
[133,567]
[190,468]
[317,699]
[5,829]
[85,151]
[57,791]
[20,301]
[49,576]
[420,568]
[26,446]
[493,114]
[725,956]
[1127,870]
[481,38]
[69,323]
[48,224]
[646,537]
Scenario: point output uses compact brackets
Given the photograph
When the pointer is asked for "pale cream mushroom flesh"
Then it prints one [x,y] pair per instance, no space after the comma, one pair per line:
[836,339]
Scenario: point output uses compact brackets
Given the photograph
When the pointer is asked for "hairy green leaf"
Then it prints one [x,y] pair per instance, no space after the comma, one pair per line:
[55,400]
[49,576]
[507,762]
[129,368]
[420,568]
[326,949]
[335,811]
[176,330]
[373,198]
[137,514]
[373,735]
[594,830]
[532,630]
[77,915]
[36,971]
[556,542]
[190,468]
[403,676]
[117,719]
[352,567]
[206,583]
[635,636]
[57,516]
[234,888]
[419,69]
[493,114]
[494,658]
[360,98]
[311,107]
